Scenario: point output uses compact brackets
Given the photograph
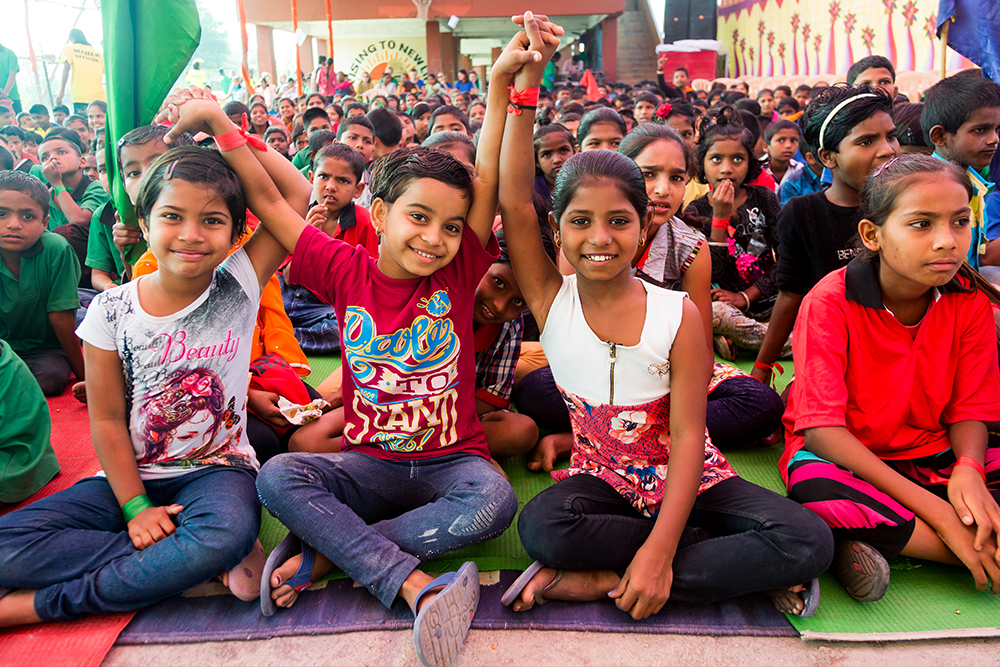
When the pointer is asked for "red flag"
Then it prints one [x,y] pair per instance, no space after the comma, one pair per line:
[590,82]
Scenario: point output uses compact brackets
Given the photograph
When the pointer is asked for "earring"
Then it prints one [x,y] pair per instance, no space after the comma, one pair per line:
[558,241]
[642,241]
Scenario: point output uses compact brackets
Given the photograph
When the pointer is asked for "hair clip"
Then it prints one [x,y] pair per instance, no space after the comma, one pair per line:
[884,167]
[170,170]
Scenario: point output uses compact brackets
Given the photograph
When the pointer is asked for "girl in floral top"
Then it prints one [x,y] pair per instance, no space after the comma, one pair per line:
[618,347]
[744,232]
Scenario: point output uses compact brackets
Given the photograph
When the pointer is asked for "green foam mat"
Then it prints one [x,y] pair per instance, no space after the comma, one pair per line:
[322,366]
[781,379]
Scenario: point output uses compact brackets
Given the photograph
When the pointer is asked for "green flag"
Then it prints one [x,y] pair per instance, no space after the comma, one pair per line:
[147,44]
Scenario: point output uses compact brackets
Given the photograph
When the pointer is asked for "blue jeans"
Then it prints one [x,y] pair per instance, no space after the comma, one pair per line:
[314,322]
[377,520]
[74,547]
[740,538]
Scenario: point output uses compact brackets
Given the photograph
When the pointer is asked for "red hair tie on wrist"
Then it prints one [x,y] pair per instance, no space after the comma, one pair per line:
[236,137]
[526,99]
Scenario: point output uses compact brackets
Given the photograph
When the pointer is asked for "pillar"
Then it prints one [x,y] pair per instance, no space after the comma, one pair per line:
[448,48]
[322,48]
[265,51]
[433,33]
[609,47]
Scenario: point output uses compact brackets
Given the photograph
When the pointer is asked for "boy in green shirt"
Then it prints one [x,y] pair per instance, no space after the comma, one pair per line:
[38,279]
[103,257]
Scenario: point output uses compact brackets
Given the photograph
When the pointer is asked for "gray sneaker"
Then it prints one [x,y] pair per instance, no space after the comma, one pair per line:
[861,570]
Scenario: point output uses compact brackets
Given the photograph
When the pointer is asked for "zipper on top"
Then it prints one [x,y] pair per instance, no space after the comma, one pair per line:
[613,349]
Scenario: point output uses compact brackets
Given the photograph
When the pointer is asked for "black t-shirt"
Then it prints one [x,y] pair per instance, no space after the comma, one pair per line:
[816,237]
[749,260]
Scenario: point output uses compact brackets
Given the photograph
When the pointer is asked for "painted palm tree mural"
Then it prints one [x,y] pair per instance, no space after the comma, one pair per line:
[817,46]
[770,54]
[760,48]
[831,56]
[751,53]
[795,43]
[868,38]
[930,29]
[743,54]
[850,20]
[891,53]
[806,32]
[909,16]
[736,55]
[781,56]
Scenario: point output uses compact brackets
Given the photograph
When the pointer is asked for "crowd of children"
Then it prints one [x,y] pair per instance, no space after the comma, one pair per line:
[586,285]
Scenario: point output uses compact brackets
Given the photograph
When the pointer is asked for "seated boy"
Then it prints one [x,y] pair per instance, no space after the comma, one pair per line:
[317,141]
[961,120]
[40,117]
[336,179]
[104,259]
[38,280]
[313,120]
[782,139]
[74,197]
[27,460]
[359,133]
[875,71]
[60,113]
[388,131]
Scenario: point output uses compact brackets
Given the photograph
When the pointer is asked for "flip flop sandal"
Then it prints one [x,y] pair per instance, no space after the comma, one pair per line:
[810,599]
[302,579]
[442,624]
[519,584]
[861,570]
[244,579]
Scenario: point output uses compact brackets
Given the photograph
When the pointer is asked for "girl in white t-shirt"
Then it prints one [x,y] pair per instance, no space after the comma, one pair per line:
[649,509]
[167,360]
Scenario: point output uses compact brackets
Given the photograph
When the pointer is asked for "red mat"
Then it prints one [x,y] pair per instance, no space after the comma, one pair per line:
[82,643]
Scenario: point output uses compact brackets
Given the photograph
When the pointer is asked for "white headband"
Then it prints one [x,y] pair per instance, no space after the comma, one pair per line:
[829,117]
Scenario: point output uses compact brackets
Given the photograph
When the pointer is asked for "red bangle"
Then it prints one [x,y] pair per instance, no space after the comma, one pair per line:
[526,99]
[720,223]
[972,463]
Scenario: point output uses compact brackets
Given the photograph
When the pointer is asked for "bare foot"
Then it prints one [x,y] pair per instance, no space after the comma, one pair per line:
[548,450]
[579,586]
[80,392]
[18,608]
[283,594]
[787,600]
[411,588]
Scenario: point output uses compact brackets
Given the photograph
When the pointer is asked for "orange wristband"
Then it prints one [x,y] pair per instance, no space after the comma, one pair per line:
[972,463]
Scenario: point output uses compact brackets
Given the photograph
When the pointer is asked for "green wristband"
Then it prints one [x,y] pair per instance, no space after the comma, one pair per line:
[132,508]
[59,188]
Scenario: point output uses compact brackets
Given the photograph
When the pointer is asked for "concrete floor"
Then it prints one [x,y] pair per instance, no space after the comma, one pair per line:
[551,648]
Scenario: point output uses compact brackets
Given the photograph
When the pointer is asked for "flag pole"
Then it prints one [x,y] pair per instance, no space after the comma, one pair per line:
[31,54]
[944,48]
[241,9]
[329,30]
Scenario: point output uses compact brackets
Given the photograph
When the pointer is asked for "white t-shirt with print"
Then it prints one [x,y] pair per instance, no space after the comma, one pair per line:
[186,374]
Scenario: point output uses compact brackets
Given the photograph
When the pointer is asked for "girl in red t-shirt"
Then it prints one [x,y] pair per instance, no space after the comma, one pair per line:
[896,373]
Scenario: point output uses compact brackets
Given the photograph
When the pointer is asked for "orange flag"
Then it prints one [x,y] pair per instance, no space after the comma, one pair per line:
[590,82]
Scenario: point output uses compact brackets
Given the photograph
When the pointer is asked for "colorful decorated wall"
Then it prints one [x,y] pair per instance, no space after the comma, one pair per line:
[811,37]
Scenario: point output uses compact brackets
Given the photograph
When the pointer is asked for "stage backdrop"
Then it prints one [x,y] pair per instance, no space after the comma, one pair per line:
[812,37]
[355,56]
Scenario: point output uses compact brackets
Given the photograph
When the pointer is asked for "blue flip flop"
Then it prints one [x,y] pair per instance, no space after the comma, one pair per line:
[441,626]
[289,546]
[515,589]
[810,598]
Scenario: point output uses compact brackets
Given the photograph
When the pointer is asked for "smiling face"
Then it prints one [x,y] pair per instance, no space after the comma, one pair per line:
[96,117]
[189,229]
[82,129]
[334,183]
[600,231]
[868,145]
[553,151]
[726,159]
[477,112]
[361,139]
[258,116]
[498,296]
[421,230]
[135,163]
[21,221]
[975,142]
[924,241]
[602,135]
[287,110]
[664,171]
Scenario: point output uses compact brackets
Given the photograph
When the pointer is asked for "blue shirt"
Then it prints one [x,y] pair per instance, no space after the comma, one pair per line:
[803,182]
[980,215]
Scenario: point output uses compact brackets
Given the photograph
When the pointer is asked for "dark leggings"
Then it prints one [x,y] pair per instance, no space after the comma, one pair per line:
[266,442]
[741,410]
[740,537]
